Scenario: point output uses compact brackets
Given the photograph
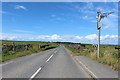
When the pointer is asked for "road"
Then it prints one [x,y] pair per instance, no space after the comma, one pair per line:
[54,63]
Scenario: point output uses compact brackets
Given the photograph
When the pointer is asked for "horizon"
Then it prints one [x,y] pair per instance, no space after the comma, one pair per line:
[59,42]
[59,22]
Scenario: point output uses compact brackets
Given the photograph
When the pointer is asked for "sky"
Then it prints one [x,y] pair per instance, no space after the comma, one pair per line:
[59,21]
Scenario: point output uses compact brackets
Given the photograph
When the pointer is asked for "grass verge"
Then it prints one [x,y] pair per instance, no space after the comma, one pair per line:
[108,54]
[15,54]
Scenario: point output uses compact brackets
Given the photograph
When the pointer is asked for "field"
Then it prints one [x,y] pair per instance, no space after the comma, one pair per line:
[8,53]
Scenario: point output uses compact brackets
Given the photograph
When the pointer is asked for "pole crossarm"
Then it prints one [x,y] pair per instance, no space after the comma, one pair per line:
[106,14]
[100,17]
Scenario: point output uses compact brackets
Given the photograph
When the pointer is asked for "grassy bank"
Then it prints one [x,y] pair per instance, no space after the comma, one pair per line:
[15,54]
[108,54]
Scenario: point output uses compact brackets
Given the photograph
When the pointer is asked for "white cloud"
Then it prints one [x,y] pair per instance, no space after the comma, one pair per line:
[3,12]
[55,37]
[89,5]
[113,15]
[20,7]
[106,39]
[91,37]
[43,37]
[114,36]
[9,13]
[108,26]
[0,36]
[23,31]
[53,15]
[78,37]
[110,22]
[88,8]
[57,19]
[48,37]
[11,38]
[110,37]
[87,17]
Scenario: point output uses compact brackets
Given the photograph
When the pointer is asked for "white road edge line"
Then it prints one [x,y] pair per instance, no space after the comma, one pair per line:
[49,58]
[87,68]
[6,63]
[35,73]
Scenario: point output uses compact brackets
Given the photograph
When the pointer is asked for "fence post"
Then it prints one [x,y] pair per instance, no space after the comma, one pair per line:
[39,46]
[26,47]
[13,46]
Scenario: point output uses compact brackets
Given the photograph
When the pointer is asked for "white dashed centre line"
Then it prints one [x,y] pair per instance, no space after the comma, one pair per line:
[35,73]
[49,58]
[39,69]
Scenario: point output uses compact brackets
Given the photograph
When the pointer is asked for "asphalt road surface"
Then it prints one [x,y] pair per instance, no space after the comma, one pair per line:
[54,63]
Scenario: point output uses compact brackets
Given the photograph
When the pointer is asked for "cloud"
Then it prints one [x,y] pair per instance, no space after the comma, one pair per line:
[91,39]
[20,7]
[55,18]
[78,37]
[86,17]
[110,22]
[8,13]
[3,12]
[23,31]
[48,37]
[53,15]
[107,26]
[55,37]
[88,8]
[12,37]
[109,39]
[113,15]
[104,37]
[90,5]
